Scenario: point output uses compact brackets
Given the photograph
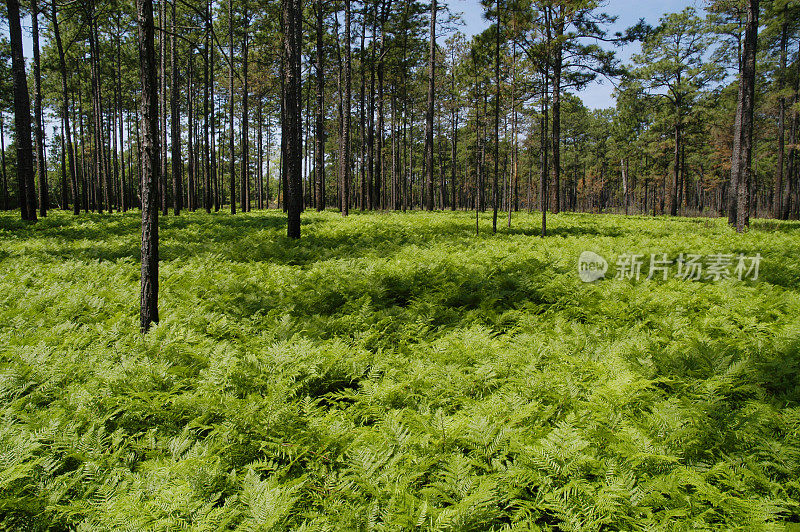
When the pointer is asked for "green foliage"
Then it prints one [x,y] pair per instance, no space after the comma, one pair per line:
[395,372]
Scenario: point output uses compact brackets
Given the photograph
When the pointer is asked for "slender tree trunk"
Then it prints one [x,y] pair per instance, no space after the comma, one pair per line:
[495,198]
[62,67]
[150,165]
[429,111]
[177,164]
[162,99]
[41,168]
[215,177]
[743,127]
[101,179]
[319,151]
[778,196]
[3,162]
[291,12]
[231,147]
[344,159]
[245,115]
[22,117]
[190,163]
[545,171]
[379,130]
[557,67]
[207,185]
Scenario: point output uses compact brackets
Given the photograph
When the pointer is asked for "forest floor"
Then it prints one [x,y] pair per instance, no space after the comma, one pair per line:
[392,371]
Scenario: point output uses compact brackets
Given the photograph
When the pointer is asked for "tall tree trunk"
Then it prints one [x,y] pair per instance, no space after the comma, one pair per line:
[319,151]
[177,164]
[743,127]
[3,162]
[231,147]
[291,11]
[208,199]
[41,168]
[22,117]
[778,201]
[344,158]
[101,179]
[379,130]
[545,170]
[495,198]
[215,178]
[62,67]
[557,67]
[259,153]
[191,172]
[150,165]
[162,105]
[245,116]
[429,111]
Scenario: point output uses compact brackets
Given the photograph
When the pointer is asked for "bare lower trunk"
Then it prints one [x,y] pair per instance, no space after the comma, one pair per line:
[291,14]
[22,117]
[150,165]
[743,128]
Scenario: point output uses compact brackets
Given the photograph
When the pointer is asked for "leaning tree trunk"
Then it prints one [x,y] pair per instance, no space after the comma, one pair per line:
[291,14]
[743,128]
[22,117]
[150,165]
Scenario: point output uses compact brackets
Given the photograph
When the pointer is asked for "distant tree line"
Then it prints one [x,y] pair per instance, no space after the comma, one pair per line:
[399,110]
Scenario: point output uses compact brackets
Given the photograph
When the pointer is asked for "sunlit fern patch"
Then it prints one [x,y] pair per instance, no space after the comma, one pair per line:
[395,371]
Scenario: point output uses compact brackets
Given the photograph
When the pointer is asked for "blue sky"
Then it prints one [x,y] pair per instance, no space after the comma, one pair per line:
[598,95]
[628,12]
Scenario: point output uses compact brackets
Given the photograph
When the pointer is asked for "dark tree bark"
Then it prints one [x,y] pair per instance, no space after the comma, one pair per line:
[123,186]
[245,117]
[162,104]
[22,117]
[319,152]
[207,107]
[232,161]
[190,163]
[673,200]
[150,165]
[344,159]
[3,162]
[62,67]
[64,185]
[743,126]
[778,201]
[291,14]
[429,111]
[495,192]
[41,168]
[215,178]
[175,124]
[558,63]
[545,169]
[100,188]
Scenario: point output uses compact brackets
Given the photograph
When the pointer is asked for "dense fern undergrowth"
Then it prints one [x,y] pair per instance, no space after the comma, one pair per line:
[395,372]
